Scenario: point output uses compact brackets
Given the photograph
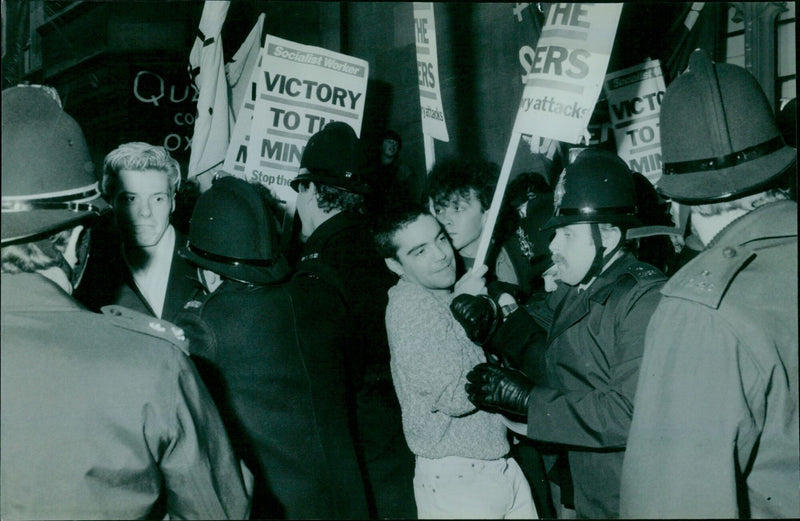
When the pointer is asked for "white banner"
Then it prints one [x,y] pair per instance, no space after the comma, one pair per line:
[299,89]
[634,102]
[214,115]
[240,71]
[430,96]
[567,70]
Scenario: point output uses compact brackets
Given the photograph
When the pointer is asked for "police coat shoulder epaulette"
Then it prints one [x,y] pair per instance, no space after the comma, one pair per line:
[199,334]
[706,278]
[135,321]
[314,268]
[195,306]
[643,272]
[631,282]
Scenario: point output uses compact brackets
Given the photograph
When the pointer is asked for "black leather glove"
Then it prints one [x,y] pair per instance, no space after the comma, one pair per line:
[494,388]
[478,314]
[496,288]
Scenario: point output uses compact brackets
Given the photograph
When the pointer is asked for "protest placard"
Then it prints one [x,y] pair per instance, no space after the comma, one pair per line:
[236,156]
[567,70]
[430,96]
[634,101]
[299,89]
[565,77]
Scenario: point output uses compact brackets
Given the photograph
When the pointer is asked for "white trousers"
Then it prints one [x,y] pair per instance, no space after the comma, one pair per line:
[464,488]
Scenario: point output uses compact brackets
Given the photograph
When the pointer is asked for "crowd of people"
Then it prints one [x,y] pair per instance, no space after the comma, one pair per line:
[624,350]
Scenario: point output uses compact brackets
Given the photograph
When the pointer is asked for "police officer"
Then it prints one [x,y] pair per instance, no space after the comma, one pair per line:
[269,349]
[579,389]
[330,201]
[715,432]
[103,415]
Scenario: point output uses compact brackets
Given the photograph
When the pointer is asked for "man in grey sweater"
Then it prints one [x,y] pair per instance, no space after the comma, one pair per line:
[462,469]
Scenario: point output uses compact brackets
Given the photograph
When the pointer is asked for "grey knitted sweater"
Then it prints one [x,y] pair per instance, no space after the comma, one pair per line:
[431,356]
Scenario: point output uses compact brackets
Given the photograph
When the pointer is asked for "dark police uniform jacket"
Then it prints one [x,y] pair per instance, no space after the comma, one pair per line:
[586,373]
[342,252]
[104,416]
[715,432]
[271,356]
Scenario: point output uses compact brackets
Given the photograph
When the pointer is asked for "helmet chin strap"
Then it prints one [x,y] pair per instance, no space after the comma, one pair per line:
[600,256]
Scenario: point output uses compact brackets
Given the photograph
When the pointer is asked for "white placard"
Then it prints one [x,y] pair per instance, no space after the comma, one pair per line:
[299,89]
[634,103]
[567,70]
[430,96]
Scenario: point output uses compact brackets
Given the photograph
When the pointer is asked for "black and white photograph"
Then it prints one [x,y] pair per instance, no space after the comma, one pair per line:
[398,260]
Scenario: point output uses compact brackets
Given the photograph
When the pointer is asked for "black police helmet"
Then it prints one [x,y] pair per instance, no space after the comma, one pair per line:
[595,188]
[233,232]
[333,157]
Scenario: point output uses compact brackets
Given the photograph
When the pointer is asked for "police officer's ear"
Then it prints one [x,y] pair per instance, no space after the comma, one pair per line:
[610,235]
[77,247]
[309,189]
[305,186]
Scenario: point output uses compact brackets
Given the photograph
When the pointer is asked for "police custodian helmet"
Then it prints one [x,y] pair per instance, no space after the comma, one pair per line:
[232,232]
[48,176]
[719,139]
[333,157]
[597,187]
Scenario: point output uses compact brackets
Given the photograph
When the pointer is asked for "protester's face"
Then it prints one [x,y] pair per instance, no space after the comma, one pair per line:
[573,251]
[143,205]
[390,147]
[462,218]
[424,255]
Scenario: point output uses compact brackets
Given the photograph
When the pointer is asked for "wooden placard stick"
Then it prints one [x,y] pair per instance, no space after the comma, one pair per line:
[430,153]
[497,199]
